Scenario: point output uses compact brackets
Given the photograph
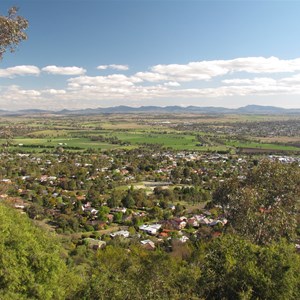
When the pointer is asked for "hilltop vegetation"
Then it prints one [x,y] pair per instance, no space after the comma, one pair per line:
[31,261]
[230,267]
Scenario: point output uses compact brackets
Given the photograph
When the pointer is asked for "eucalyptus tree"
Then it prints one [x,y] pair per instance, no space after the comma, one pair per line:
[12,31]
[263,206]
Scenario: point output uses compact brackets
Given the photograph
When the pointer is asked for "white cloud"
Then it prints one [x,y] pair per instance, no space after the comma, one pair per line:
[119,67]
[203,70]
[15,94]
[114,67]
[102,67]
[54,92]
[292,80]
[151,76]
[19,70]
[206,70]
[257,80]
[102,81]
[55,70]
[172,83]
[215,80]
[262,65]
[17,90]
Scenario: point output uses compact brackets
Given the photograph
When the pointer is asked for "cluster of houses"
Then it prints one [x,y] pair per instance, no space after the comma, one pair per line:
[286,128]
[194,221]
[165,229]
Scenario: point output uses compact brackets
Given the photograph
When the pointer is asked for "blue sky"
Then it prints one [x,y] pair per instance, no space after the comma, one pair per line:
[88,53]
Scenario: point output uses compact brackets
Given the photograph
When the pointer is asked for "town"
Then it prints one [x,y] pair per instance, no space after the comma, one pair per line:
[147,195]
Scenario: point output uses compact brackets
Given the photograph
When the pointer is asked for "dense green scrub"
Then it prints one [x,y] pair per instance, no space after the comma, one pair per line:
[30,261]
[230,267]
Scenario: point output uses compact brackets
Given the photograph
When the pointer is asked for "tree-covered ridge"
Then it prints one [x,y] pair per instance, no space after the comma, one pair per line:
[229,267]
[31,263]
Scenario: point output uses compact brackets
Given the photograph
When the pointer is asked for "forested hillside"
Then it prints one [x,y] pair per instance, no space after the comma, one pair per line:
[32,266]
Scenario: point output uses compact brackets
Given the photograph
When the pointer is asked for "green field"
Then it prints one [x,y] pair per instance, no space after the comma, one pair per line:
[267,146]
[168,140]
[178,132]
[176,141]
[82,143]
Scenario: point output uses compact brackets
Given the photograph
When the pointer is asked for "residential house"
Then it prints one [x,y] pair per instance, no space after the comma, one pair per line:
[148,244]
[123,233]
[95,244]
[150,229]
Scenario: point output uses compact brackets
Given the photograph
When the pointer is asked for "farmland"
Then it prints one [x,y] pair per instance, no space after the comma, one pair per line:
[227,133]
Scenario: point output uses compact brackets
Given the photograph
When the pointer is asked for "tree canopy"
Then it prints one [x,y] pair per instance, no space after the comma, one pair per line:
[31,263]
[263,206]
[234,268]
[12,31]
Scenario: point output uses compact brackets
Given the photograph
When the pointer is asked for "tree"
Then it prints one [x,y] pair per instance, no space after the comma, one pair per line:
[138,274]
[234,268]
[35,211]
[115,199]
[263,206]
[6,133]
[12,29]
[31,263]
[128,200]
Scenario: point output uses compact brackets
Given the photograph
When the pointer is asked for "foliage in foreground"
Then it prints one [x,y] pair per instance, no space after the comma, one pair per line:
[229,267]
[12,31]
[139,274]
[235,268]
[31,264]
[262,207]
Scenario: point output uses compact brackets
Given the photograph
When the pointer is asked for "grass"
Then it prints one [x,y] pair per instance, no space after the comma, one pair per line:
[260,146]
[124,125]
[175,141]
[83,143]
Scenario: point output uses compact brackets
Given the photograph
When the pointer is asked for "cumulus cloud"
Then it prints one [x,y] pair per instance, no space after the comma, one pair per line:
[114,67]
[119,67]
[14,97]
[102,67]
[55,70]
[102,81]
[54,92]
[151,76]
[203,70]
[117,87]
[262,65]
[172,83]
[207,70]
[214,80]
[19,71]
[254,81]
[292,80]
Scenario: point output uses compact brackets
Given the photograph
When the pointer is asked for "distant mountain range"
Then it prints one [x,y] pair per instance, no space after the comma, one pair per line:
[249,109]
